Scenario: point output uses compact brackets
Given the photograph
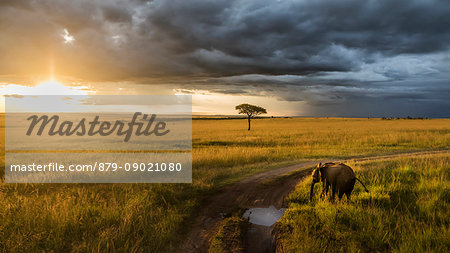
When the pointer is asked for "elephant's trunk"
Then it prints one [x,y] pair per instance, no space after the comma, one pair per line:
[312,190]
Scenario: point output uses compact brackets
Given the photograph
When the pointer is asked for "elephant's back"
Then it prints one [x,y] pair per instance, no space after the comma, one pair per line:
[345,173]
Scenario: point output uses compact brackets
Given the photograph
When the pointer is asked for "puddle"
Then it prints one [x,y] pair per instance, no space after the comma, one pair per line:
[264,216]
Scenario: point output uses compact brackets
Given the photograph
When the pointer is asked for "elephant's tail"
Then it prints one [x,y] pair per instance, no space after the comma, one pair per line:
[362,184]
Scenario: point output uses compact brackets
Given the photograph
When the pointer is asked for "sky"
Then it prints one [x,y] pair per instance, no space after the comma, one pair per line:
[352,58]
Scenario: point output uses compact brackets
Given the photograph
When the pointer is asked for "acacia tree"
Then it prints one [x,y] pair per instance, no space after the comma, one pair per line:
[251,111]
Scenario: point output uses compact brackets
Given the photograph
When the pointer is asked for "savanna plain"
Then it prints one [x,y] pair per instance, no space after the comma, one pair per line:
[406,210]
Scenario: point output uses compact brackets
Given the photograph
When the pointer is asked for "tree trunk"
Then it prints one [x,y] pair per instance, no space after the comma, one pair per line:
[248,123]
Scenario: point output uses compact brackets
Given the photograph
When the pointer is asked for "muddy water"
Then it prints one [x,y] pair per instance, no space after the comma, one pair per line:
[264,216]
[259,234]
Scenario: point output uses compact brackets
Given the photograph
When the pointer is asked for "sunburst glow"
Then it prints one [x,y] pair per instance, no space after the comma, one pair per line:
[68,39]
[49,87]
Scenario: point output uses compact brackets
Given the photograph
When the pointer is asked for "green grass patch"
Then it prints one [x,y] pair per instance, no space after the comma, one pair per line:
[406,211]
[231,236]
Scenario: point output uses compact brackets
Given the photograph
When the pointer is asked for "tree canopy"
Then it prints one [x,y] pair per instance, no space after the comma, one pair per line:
[250,110]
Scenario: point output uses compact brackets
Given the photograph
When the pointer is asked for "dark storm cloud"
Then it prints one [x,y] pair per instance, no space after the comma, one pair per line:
[222,38]
[298,37]
[116,14]
[321,52]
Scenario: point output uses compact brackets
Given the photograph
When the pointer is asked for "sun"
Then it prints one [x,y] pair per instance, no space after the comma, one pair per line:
[52,87]
[48,87]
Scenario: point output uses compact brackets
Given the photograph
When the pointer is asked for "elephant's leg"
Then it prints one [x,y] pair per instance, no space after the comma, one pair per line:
[333,192]
[324,189]
[340,194]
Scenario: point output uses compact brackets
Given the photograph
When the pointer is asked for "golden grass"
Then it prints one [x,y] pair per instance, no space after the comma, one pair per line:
[226,143]
[154,217]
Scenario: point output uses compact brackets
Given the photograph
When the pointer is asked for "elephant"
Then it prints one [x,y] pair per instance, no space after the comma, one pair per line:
[338,176]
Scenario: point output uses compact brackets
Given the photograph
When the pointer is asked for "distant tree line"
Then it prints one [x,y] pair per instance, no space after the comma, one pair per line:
[408,117]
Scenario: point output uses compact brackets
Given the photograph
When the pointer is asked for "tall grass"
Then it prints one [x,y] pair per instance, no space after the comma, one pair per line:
[226,143]
[406,211]
[155,217]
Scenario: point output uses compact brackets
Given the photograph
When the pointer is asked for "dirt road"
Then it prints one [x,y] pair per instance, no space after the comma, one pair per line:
[254,191]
